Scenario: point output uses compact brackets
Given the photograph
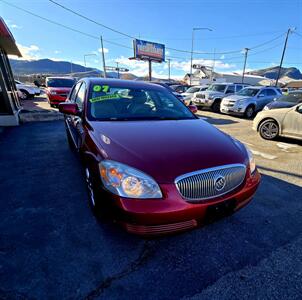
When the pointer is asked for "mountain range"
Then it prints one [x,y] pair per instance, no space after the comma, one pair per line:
[272,73]
[48,66]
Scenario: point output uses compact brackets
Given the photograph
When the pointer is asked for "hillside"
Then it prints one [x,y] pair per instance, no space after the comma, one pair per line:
[271,73]
[48,66]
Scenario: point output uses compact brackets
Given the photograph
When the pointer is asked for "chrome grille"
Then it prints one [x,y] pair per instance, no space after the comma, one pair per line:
[202,96]
[207,183]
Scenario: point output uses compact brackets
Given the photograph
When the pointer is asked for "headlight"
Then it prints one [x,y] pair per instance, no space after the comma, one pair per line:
[53,93]
[265,107]
[240,102]
[251,160]
[128,182]
[211,97]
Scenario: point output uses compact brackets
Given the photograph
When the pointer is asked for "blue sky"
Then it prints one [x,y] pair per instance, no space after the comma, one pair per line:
[236,24]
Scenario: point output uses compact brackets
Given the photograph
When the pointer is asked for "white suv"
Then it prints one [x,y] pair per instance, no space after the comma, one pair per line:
[26,91]
[213,95]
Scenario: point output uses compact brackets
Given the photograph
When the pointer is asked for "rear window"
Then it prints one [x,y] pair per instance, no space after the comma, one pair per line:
[60,82]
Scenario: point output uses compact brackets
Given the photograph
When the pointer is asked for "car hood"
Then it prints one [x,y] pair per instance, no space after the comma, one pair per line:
[167,149]
[280,104]
[236,98]
[212,93]
[59,89]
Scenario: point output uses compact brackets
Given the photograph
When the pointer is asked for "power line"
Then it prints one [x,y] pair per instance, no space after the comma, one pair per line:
[65,26]
[169,48]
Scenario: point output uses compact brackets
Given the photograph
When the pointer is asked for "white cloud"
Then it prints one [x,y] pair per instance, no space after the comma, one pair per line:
[57,51]
[29,52]
[185,65]
[15,26]
[106,50]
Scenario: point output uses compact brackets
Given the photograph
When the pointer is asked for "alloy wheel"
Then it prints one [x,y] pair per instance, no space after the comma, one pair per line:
[249,112]
[269,130]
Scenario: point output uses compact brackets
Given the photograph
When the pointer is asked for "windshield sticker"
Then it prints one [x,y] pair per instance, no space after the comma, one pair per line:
[105,97]
[101,88]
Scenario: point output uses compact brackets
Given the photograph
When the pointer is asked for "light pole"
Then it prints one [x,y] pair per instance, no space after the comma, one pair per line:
[195,29]
[85,55]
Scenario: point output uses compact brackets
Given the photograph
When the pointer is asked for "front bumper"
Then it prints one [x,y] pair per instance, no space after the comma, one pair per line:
[234,110]
[173,213]
[202,102]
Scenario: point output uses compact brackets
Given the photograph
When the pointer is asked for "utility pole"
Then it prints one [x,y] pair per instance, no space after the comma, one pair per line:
[150,69]
[283,53]
[85,63]
[118,70]
[169,66]
[213,66]
[246,50]
[103,56]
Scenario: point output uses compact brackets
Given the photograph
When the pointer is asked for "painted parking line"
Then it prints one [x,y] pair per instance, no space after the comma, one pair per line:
[264,155]
[285,147]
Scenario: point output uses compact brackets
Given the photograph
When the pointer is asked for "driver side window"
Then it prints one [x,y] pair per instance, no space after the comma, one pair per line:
[262,93]
[74,92]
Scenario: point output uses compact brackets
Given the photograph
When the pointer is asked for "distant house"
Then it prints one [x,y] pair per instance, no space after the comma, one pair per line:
[297,84]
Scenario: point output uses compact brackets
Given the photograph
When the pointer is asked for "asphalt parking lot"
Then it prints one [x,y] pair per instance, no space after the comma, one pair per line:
[51,246]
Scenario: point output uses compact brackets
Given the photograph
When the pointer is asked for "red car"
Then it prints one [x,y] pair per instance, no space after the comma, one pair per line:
[58,88]
[150,162]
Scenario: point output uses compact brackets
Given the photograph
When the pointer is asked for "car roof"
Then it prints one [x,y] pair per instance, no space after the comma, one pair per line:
[124,83]
[60,77]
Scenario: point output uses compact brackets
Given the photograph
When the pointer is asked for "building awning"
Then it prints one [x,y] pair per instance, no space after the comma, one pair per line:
[7,41]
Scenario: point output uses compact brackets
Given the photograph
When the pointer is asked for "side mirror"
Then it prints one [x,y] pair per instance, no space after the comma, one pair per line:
[69,108]
[193,108]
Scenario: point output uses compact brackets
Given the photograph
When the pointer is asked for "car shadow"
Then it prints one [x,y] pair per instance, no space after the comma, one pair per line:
[216,121]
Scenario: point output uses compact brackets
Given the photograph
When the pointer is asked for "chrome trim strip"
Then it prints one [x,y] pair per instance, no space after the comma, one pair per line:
[205,180]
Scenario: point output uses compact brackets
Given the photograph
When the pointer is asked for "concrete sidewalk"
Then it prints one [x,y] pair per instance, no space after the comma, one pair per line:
[38,109]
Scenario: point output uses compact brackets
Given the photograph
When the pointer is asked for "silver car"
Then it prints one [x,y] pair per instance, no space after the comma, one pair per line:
[212,97]
[249,100]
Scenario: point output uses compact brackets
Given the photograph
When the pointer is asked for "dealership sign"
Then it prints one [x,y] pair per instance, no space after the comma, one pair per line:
[148,50]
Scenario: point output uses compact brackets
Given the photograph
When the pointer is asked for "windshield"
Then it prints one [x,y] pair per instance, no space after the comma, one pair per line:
[192,90]
[217,87]
[60,82]
[107,103]
[292,97]
[248,92]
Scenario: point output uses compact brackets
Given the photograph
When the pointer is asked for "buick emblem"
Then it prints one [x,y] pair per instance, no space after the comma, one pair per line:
[219,183]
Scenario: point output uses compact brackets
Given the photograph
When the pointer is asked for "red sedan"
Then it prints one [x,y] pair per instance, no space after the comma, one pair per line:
[150,162]
[58,88]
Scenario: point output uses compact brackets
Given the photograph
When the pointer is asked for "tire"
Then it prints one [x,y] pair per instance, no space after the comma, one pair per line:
[249,112]
[101,212]
[91,190]
[216,106]
[269,129]
[70,141]
[24,95]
